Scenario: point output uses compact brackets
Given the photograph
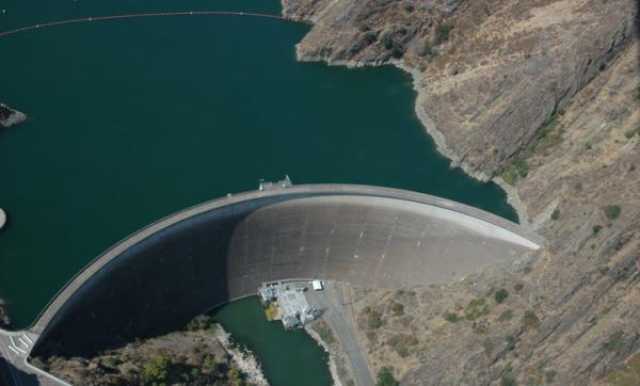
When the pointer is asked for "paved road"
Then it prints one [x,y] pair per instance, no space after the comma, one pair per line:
[335,303]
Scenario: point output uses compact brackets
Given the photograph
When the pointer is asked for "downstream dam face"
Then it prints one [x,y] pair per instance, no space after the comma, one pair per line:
[186,264]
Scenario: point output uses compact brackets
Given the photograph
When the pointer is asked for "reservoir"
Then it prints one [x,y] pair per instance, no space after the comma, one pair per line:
[131,120]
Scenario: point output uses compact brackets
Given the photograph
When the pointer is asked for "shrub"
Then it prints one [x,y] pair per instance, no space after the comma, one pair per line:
[530,320]
[501,295]
[374,320]
[156,371]
[612,211]
[401,343]
[518,287]
[632,133]
[475,309]
[615,341]
[452,317]
[597,229]
[556,214]
[518,169]
[397,309]
[443,32]
[385,378]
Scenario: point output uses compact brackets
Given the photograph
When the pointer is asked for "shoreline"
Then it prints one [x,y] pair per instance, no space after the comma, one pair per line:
[333,367]
[244,359]
[439,139]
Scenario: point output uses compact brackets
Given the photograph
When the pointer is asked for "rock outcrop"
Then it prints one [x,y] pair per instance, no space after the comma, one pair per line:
[195,356]
[544,96]
[5,321]
[10,117]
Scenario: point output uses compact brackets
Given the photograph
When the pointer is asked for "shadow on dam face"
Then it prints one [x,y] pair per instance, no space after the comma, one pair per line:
[190,263]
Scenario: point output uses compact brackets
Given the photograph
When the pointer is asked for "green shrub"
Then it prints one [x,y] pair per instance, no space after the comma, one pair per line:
[632,133]
[501,295]
[476,309]
[518,169]
[615,342]
[612,211]
[156,371]
[597,229]
[443,32]
[385,378]
[556,214]
[452,317]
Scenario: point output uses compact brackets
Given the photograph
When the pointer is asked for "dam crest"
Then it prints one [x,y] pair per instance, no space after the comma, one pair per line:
[187,263]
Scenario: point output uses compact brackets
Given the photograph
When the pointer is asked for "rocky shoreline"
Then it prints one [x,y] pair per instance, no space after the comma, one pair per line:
[242,358]
[10,117]
[5,321]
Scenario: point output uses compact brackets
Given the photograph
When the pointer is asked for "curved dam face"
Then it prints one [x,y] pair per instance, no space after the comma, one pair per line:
[164,275]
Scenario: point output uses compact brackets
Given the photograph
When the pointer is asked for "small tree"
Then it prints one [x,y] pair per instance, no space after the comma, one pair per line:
[386,378]
[501,295]
[612,211]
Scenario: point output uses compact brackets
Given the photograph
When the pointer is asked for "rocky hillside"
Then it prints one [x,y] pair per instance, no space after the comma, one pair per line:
[10,117]
[544,96]
[195,357]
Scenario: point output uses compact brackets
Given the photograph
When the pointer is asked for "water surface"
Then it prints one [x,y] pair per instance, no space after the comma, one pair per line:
[131,120]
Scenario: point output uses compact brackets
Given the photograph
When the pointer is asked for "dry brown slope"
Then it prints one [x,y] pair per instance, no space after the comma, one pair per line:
[551,87]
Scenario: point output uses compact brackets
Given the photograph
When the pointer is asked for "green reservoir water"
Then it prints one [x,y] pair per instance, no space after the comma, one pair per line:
[132,120]
[306,361]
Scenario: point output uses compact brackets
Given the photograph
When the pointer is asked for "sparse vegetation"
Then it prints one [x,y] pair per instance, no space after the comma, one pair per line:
[476,309]
[530,320]
[596,229]
[508,379]
[612,211]
[323,329]
[156,371]
[556,214]
[615,341]
[386,378]
[402,344]
[518,287]
[518,169]
[505,316]
[501,295]
[627,376]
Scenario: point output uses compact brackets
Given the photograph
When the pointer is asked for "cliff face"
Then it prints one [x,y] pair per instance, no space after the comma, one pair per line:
[545,94]
[10,117]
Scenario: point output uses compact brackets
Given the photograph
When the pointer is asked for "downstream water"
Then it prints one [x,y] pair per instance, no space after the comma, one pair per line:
[132,120]
[296,354]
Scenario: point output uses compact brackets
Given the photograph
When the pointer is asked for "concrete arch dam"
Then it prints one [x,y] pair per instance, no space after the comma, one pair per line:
[160,277]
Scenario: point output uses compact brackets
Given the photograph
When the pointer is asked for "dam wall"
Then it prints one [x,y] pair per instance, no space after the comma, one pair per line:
[159,278]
